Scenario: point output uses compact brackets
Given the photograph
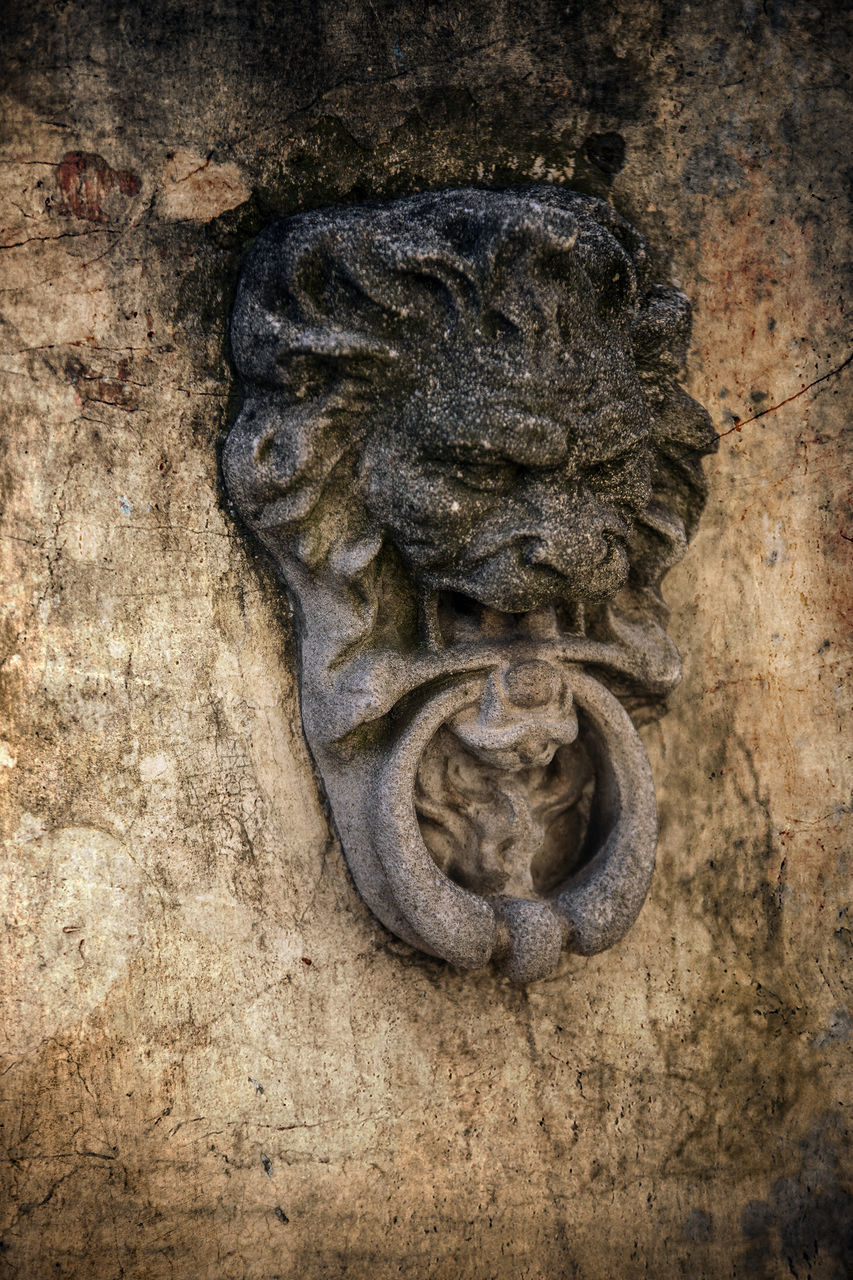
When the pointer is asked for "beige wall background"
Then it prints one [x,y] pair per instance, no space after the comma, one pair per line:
[216,1063]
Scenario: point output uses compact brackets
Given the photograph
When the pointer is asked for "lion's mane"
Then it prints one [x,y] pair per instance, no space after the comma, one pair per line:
[344,315]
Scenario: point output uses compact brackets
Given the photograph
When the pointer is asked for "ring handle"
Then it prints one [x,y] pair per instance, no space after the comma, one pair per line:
[525,936]
[602,901]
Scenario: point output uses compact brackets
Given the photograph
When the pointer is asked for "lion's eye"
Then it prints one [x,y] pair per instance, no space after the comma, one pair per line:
[488,477]
[629,457]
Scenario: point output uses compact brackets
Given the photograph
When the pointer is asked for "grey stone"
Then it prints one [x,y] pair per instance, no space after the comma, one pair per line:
[463,442]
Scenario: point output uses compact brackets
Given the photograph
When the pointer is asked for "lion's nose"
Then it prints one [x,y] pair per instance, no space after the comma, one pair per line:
[531,684]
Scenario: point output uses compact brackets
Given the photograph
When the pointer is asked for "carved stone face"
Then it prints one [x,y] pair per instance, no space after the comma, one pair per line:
[485,380]
[518,482]
[463,441]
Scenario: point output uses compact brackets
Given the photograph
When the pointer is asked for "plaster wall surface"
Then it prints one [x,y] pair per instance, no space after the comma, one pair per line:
[216,1063]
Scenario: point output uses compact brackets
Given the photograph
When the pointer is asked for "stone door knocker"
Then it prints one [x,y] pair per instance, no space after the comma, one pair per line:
[463,441]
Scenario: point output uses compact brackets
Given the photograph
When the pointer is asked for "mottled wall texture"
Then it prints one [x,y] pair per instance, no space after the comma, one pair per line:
[216,1063]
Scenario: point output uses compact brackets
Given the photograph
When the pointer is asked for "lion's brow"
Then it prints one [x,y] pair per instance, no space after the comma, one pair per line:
[526,439]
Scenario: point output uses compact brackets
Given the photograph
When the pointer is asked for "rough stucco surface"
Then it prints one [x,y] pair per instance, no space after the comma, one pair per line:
[216,1063]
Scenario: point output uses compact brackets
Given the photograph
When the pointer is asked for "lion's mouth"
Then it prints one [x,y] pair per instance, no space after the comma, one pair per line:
[520,575]
[463,620]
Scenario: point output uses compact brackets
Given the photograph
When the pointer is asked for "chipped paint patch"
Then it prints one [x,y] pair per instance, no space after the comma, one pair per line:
[85,182]
[197,190]
[157,768]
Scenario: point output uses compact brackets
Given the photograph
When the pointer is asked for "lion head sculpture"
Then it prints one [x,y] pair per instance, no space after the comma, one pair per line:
[485,380]
[463,441]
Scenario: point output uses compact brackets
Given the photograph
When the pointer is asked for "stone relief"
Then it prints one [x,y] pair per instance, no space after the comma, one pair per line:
[463,441]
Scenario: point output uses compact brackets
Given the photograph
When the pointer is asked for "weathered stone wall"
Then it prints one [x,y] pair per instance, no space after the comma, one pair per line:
[216,1063]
